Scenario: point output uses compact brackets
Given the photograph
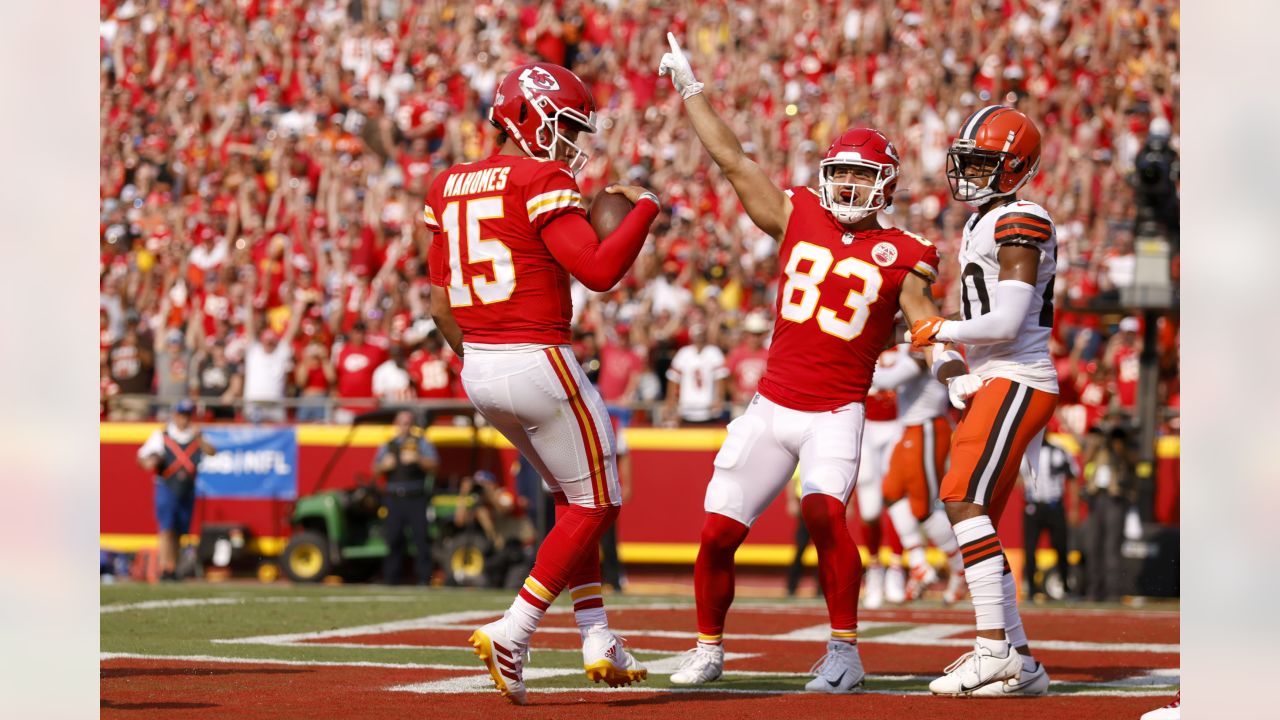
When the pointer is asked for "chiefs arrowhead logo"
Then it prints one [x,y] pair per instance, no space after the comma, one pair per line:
[884,254]
[536,78]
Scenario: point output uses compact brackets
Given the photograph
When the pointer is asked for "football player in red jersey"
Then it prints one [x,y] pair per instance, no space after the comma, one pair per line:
[845,278]
[509,231]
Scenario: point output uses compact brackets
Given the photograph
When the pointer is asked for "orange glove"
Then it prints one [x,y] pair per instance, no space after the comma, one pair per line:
[922,332]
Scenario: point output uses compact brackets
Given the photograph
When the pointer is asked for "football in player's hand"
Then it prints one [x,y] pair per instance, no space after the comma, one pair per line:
[607,211]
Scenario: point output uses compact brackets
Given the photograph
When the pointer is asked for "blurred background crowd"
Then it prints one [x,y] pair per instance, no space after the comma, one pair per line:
[263,164]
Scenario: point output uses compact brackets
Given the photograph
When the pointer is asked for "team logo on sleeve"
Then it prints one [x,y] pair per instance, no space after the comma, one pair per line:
[535,78]
[884,254]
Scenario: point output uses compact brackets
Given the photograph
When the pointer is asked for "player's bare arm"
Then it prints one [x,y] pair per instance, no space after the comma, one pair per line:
[766,204]
[442,313]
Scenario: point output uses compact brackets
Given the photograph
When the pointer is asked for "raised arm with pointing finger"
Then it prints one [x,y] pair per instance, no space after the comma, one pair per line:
[766,204]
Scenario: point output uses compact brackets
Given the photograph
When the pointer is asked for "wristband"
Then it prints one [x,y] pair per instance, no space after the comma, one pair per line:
[648,195]
[942,359]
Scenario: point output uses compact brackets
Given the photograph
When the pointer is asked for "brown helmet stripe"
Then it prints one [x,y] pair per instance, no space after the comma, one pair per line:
[970,129]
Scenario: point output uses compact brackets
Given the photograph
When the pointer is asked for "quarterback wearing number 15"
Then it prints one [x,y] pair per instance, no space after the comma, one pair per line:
[509,231]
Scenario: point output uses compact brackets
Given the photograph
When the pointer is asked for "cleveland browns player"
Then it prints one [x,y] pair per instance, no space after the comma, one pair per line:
[844,278]
[509,231]
[1008,257]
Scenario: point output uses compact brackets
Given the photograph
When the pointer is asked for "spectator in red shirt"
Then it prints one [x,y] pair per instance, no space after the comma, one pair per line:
[621,364]
[747,361]
[1122,359]
[429,370]
[356,362]
[314,377]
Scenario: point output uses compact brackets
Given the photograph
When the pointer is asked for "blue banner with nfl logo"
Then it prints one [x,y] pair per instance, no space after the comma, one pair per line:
[252,463]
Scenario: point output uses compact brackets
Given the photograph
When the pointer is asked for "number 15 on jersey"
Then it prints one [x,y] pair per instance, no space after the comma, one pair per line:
[464,290]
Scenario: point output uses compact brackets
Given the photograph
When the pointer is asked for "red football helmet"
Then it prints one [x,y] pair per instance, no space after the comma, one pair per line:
[995,154]
[531,102]
[860,148]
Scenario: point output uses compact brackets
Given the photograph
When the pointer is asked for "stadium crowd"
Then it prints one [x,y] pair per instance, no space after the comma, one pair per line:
[263,164]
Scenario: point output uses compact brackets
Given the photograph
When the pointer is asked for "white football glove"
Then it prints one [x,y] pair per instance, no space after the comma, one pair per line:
[962,387]
[677,65]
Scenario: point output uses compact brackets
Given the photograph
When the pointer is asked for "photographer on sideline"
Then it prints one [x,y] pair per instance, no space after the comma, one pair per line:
[174,455]
[409,463]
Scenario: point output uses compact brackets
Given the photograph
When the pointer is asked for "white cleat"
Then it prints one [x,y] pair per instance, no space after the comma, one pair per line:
[873,590]
[977,668]
[921,578]
[1172,711]
[957,588]
[700,665]
[1029,684]
[505,659]
[605,657]
[895,585]
[839,671]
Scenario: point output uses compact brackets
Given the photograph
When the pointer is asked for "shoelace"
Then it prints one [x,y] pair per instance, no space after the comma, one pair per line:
[623,654]
[691,658]
[972,654]
[830,661]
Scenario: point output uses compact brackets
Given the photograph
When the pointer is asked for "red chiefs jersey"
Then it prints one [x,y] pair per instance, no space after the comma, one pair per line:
[746,367]
[1127,368]
[502,282]
[431,374]
[836,306]
[355,367]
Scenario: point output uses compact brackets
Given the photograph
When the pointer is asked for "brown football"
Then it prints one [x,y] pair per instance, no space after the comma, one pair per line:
[607,211]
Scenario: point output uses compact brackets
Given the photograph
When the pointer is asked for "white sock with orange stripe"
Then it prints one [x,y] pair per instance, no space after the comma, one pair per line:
[588,609]
[983,566]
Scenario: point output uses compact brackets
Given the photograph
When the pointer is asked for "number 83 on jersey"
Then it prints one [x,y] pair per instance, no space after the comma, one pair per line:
[806,269]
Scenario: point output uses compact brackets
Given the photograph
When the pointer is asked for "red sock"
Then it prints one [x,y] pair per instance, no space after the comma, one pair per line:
[713,574]
[577,533]
[891,539]
[587,571]
[839,564]
[872,532]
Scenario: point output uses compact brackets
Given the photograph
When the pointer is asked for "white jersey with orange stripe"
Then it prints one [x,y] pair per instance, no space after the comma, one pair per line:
[1024,359]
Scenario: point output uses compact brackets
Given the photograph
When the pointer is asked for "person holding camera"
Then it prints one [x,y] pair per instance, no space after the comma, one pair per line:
[174,454]
[409,462]
[1109,488]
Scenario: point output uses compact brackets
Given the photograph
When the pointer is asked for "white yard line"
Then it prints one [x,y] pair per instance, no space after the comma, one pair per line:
[235,600]
[262,661]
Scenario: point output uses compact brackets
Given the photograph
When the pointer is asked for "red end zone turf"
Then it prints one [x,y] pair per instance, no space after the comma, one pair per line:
[1105,663]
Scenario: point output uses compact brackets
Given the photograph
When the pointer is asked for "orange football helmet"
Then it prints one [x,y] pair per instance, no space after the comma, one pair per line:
[995,154]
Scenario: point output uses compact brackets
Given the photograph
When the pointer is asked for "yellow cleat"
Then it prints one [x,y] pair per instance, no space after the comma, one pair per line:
[605,658]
